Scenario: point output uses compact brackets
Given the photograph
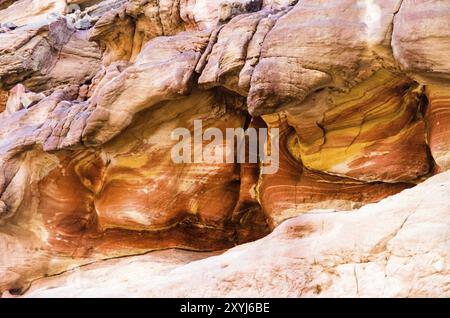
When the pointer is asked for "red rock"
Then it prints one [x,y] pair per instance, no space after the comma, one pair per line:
[295,190]
[375,251]
[438,116]
[357,88]
[129,197]
[374,132]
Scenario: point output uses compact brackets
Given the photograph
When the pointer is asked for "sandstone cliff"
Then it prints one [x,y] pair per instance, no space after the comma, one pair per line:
[90,92]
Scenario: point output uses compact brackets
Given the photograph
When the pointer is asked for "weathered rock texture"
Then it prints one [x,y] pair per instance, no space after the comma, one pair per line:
[24,12]
[398,247]
[45,56]
[359,91]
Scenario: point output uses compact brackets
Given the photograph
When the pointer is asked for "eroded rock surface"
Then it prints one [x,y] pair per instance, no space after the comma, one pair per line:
[45,56]
[359,91]
[22,12]
[398,247]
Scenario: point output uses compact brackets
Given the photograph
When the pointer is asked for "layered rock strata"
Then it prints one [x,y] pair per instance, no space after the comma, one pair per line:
[395,248]
[358,91]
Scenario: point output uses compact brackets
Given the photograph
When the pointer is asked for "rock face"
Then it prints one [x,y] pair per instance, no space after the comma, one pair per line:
[3,100]
[419,43]
[355,93]
[23,12]
[398,247]
[45,56]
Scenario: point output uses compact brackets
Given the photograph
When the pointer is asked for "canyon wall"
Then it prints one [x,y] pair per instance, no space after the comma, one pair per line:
[91,91]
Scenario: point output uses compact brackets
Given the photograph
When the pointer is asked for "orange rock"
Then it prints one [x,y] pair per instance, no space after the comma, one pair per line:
[369,252]
[3,100]
[98,202]
[374,132]
[321,44]
[295,190]
[85,144]
[438,117]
